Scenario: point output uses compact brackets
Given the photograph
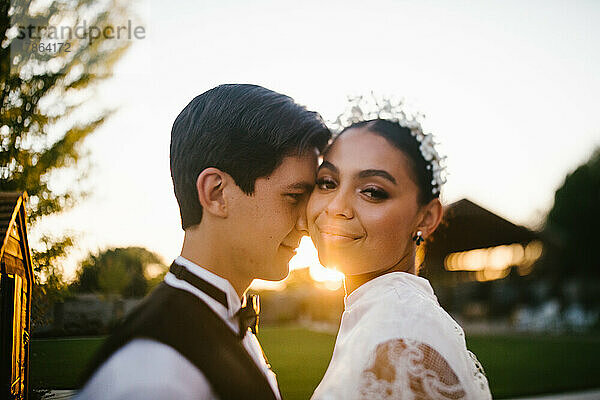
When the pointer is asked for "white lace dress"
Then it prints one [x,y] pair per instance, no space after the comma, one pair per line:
[396,342]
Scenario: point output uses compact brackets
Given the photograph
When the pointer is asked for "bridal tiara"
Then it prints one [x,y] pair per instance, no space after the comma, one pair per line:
[364,108]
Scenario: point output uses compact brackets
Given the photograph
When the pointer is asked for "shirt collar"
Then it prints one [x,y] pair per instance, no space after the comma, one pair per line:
[223,284]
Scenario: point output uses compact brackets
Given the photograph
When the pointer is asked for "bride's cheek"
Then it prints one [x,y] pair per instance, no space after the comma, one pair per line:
[314,207]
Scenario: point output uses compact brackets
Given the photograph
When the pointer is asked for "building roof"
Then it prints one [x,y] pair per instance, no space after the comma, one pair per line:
[10,205]
[469,226]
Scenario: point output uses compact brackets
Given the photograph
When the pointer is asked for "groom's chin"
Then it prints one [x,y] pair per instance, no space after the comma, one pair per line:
[277,274]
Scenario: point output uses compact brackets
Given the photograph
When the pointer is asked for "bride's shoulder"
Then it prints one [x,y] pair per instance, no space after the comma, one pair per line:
[408,312]
[398,329]
[405,297]
[420,339]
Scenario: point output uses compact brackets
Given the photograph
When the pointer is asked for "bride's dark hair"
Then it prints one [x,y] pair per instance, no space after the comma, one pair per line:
[401,138]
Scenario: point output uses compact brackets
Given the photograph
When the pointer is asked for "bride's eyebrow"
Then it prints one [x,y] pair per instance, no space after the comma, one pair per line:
[329,166]
[377,172]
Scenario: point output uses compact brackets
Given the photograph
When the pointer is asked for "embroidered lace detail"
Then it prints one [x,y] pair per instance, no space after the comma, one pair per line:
[478,372]
[411,370]
[458,330]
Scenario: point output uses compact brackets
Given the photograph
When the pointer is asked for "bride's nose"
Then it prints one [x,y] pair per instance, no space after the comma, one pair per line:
[339,205]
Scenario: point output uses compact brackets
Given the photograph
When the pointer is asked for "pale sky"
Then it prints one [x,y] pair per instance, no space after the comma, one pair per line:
[510,89]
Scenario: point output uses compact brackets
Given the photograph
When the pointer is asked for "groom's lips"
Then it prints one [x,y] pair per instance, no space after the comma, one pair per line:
[289,248]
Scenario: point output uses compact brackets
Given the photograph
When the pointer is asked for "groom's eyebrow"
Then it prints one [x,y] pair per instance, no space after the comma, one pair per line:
[304,185]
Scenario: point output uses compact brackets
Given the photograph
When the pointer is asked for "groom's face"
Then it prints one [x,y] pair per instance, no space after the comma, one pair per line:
[271,221]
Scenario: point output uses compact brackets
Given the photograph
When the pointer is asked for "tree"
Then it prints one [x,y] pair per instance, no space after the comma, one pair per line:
[42,93]
[54,288]
[118,271]
[572,223]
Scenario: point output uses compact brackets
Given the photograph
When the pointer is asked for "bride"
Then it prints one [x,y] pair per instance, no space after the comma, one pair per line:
[376,200]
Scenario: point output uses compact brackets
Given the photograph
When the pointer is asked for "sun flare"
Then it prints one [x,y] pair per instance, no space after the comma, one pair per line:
[306,257]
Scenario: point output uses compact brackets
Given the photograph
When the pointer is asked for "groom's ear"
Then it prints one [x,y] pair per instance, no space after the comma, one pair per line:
[210,184]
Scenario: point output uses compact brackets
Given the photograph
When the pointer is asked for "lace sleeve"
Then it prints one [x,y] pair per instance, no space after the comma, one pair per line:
[408,369]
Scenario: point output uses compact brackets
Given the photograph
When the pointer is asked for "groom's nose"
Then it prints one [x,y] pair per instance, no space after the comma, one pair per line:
[301,222]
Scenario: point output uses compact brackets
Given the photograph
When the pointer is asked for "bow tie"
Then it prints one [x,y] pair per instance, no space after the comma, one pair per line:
[248,315]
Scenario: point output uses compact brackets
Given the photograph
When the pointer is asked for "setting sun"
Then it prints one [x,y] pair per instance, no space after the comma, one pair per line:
[306,257]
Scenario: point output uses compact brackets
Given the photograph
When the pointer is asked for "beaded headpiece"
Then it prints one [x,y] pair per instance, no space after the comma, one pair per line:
[365,108]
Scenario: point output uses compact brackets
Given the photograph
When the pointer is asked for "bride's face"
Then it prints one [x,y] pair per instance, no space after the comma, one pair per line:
[363,211]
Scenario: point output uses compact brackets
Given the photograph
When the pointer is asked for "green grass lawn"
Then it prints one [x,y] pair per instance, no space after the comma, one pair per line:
[515,365]
[526,365]
[57,363]
[299,358]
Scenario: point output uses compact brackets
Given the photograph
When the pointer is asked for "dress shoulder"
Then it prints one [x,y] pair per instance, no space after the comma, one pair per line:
[410,337]
[396,341]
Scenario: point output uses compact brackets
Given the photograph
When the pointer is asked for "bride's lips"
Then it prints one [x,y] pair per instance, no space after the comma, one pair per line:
[334,234]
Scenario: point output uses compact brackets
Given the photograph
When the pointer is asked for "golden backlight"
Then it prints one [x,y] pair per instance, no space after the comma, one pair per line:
[306,257]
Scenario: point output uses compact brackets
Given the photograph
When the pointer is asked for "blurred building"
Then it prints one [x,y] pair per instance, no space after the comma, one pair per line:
[16,282]
[486,268]
[474,244]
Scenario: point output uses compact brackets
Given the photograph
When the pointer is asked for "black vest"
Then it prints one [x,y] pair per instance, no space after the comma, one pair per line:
[181,320]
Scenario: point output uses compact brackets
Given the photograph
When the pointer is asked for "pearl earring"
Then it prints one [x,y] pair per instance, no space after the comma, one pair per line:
[418,237]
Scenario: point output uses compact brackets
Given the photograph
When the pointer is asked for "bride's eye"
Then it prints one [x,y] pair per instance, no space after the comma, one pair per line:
[325,183]
[375,193]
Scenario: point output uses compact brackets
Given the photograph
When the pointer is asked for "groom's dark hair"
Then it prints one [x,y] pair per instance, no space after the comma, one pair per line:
[243,130]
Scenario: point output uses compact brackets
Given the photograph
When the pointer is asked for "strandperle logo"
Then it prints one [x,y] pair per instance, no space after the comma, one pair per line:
[83,31]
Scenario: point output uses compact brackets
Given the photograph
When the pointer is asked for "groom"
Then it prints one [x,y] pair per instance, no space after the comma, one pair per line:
[243,161]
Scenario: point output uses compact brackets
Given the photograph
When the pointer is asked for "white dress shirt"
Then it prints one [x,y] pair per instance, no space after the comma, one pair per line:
[147,369]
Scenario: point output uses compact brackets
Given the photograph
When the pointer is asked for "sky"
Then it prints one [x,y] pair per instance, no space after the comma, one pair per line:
[509,88]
